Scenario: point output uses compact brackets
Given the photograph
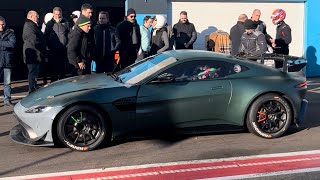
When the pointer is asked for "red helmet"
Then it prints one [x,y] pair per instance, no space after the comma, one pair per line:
[278,15]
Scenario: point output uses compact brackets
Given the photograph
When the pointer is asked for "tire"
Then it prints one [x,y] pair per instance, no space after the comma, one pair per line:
[269,116]
[82,128]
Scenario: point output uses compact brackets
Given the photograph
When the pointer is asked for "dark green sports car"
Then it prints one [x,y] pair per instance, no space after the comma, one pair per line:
[180,91]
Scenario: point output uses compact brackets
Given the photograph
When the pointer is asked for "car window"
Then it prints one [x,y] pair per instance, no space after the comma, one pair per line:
[203,70]
[145,68]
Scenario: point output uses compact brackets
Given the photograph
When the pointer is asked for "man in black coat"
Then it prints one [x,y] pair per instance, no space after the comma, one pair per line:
[185,33]
[253,42]
[283,35]
[260,25]
[56,36]
[236,33]
[7,44]
[129,33]
[80,49]
[34,47]
[107,42]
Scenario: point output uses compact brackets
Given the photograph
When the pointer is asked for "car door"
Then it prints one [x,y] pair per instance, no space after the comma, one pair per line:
[194,98]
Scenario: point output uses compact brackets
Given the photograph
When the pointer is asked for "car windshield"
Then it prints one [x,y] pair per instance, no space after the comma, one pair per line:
[144,68]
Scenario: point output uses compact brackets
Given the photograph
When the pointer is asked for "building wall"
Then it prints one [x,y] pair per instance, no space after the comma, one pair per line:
[211,16]
[147,8]
[303,17]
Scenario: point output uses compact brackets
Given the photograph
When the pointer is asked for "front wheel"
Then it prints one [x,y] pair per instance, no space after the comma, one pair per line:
[82,128]
[269,116]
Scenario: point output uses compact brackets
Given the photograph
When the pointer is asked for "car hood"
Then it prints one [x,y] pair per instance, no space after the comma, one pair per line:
[69,85]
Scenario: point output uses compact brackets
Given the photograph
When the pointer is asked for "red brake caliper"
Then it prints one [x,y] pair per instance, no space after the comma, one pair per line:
[262,116]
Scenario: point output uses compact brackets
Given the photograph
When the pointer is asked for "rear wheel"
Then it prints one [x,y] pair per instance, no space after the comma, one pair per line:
[269,116]
[82,128]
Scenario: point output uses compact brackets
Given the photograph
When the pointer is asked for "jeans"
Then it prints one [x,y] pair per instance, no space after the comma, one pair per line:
[6,72]
[32,76]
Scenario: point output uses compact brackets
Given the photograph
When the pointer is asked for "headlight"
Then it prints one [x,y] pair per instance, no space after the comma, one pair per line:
[37,109]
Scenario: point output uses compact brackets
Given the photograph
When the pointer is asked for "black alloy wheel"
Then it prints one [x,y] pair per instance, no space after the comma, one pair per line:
[82,128]
[272,117]
[269,116]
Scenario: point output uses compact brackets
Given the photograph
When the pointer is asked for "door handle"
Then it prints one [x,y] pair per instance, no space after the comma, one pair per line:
[216,87]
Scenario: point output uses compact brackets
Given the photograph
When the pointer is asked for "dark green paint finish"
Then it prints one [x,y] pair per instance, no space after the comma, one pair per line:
[174,104]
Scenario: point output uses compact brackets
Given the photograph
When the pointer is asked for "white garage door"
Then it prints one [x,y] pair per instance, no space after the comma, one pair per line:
[210,16]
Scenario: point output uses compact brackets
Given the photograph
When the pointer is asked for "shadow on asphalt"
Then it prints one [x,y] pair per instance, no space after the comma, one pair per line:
[16,82]
[2,173]
[4,133]
[6,113]
[166,140]
[18,89]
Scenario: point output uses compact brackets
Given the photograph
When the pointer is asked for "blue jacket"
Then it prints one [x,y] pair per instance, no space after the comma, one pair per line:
[7,44]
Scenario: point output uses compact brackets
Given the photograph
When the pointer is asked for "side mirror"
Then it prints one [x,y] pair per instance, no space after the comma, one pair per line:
[164,78]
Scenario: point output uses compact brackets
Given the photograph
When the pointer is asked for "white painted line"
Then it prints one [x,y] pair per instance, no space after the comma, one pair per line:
[159,164]
[15,96]
[313,84]
[298,171]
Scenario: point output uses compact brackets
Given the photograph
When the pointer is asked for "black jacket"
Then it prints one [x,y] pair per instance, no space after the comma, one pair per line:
[160,41]
[283,38]
[126,30]
[34,46]
[106,40]
[184,33]
[253,44]
[7,44]
[261,26]
[56,34]
[80,47]
[235,34]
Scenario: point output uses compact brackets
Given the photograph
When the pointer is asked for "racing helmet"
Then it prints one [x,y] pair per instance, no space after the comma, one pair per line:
[75,14]
[278,15]
[48,17]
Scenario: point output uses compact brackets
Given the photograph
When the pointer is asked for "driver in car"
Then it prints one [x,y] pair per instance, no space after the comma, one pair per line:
[206,72]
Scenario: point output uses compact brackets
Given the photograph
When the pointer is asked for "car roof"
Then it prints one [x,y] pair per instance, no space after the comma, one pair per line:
[194,54]
[186,54]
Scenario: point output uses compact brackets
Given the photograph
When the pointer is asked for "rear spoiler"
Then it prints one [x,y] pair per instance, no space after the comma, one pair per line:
[290,63]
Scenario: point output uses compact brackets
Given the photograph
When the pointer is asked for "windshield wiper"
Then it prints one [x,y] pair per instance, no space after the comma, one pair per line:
[116,78]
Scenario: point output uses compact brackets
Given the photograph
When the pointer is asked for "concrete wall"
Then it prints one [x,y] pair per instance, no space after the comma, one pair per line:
[304,20]
[147,8]
[210,16]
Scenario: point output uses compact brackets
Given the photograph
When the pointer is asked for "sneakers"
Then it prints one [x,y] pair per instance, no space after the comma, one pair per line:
[8,104]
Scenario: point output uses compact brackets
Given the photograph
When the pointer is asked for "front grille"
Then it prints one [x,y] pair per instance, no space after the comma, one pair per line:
[25,128]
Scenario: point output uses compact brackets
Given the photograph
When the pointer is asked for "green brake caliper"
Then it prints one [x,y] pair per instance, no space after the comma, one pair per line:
[77,120]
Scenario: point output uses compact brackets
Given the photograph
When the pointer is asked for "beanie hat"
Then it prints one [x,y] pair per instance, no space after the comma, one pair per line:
[248,24]
[130,11]
[75,14]
[82,21]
